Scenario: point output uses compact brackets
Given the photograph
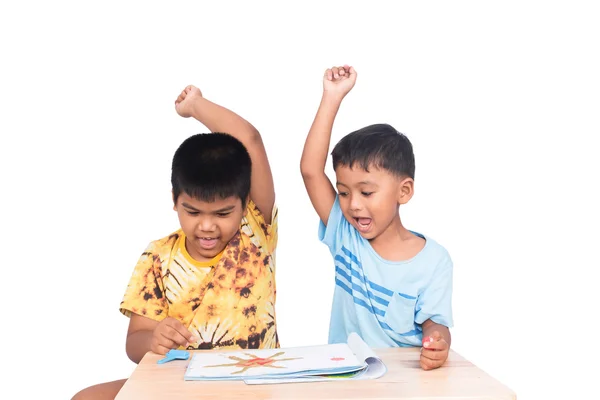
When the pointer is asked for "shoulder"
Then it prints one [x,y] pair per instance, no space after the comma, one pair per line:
[255,216]
[255,227]
[435,248]
[434,256]
[164,245]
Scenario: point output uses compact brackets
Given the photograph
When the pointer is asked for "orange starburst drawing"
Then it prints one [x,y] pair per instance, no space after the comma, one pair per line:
[254,362]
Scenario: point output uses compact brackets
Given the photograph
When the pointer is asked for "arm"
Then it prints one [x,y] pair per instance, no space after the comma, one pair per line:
[314,157]
[139,337]
[216,118]
[337,82]
[145,334]
[436,345]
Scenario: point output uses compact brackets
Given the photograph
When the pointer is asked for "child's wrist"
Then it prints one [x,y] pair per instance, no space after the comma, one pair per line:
[197,107]
[332,97]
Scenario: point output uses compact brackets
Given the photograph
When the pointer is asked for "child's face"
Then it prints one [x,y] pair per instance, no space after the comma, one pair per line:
[370,200]
[208,226]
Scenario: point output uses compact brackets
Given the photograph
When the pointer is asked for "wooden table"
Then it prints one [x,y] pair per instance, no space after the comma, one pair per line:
[457,379]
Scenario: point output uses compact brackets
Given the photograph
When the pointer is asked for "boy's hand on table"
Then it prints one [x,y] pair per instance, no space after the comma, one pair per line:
[434,351]
[184,104]
[170,334]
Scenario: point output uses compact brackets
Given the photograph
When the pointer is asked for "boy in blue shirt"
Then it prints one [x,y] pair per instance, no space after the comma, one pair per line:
[393,286]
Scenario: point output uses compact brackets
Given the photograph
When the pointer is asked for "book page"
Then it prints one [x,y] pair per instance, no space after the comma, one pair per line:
[336,358]
[376,368]
[359,347]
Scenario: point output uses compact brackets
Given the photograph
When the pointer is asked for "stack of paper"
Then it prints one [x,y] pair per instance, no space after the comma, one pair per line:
[351,360]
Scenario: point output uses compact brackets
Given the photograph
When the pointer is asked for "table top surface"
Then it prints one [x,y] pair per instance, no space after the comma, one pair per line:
[404,379]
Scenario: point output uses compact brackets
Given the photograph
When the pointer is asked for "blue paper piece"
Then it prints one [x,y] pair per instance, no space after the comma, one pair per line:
[174,355]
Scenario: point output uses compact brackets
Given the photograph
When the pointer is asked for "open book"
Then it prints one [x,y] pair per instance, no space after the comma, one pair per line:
[351,360]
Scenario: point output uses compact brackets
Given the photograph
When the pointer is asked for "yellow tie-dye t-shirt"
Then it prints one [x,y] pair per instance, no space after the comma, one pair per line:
[227,302]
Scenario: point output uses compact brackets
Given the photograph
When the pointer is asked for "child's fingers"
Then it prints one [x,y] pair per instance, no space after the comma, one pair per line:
[434,341]
[160,349]
[433,354]
[182,330]
[161,342]
[328,74]
[436,346]
[336,73]
[171,334]
[174,330]
[429,364]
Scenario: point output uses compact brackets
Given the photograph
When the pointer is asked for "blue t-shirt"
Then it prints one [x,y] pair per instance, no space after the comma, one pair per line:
[385,302]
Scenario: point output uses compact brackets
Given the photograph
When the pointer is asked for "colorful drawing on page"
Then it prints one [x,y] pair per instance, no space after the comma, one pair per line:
[337,358]
[254,362]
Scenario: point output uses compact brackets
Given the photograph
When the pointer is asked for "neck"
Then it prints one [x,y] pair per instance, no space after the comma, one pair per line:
[391,237]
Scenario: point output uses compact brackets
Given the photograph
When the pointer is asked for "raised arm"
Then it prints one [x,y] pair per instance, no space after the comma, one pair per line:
[337,82]
[216,118]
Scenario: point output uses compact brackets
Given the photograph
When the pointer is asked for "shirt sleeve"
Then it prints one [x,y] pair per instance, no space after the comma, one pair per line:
[332,233]
[269,232]
[145,292]
[435,300]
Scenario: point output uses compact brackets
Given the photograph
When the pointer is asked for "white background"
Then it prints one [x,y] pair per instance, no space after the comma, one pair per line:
[500,101]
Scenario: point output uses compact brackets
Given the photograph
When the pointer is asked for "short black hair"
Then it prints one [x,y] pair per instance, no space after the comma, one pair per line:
[207,166]
[380,146]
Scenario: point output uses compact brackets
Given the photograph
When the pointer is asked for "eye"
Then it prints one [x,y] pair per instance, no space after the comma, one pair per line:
[343,194]
[192,212]
[223,214]
[366,194]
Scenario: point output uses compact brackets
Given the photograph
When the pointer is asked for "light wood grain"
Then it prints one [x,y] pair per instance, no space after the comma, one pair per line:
[457,379]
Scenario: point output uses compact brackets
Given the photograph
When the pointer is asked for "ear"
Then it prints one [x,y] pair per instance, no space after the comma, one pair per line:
[406,189]
[174,202]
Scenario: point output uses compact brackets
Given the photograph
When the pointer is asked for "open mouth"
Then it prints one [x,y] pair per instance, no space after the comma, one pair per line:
[207,243]
[363,224]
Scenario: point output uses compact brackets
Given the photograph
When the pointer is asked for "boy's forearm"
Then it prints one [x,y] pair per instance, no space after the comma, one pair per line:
[314,155]
[220,119]
[138,344]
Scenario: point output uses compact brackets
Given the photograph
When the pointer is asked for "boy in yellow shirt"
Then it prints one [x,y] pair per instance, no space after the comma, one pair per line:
[211,283]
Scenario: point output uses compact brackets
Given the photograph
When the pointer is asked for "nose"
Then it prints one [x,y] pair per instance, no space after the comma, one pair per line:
[355,204]
[206,224]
